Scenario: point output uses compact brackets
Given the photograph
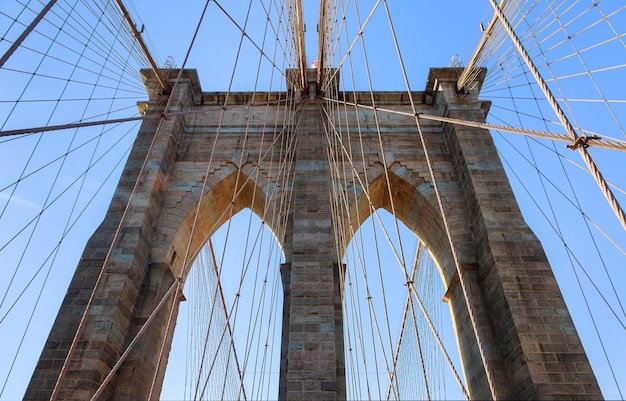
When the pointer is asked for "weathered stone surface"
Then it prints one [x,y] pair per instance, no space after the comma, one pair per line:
[526,334]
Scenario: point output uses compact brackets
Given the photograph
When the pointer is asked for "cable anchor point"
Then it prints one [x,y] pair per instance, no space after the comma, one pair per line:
[581,141]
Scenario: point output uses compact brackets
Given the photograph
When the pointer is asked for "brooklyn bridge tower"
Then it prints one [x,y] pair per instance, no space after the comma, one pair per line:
[289,180]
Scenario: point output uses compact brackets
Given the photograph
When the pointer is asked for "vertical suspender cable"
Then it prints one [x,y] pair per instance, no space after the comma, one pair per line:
[595,171]
[467,294]
[114,242]
[228,327]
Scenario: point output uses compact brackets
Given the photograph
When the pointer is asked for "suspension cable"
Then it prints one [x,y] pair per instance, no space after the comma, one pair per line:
[114,242]
[595,171]
[133,28]
[582,141]
[26,32]
[463,285]
[467,75]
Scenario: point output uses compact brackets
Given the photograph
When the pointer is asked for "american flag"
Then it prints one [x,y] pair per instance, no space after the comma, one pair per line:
[314,64]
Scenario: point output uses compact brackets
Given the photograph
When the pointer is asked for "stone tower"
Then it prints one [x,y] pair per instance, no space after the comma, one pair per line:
[527,339]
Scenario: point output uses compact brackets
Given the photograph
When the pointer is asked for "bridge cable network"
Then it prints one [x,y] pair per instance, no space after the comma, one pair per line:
[69,116]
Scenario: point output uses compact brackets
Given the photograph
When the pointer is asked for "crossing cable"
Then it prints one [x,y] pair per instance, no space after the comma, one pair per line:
[98,45]
[491,40]
[337,209]
[408,308]
[60,194]
[571,256]
[384,161]
[218,271]
[578,53]
[157,308]
[237,194]
[567,139]
[595,171]
[18,42]
[47,204]
[114,242]
[109,121]
[234,308]
[298,31]
[259,316]
[592,140]
[70,227]
[337,176]
[262,52]
[174,288]
[470,70]
[431,326]
[413,293]
[576,204]
[418,340]
[443,348]
[559,232]
[359,34]
[275,30]
[618,36]
[341,25]
[111,23]
[224,305]
[21,13]
[168,327]
[166,114]
[112,75]
[354,290]
[541,23]
[569,38]
[13,108]
[367,194]
[212,319]
[373,211]
[461,273]
[581,141]
[252,42]
[168,293]
[51,257]
[587,221]
[99,278]
[375,325]
[227,327]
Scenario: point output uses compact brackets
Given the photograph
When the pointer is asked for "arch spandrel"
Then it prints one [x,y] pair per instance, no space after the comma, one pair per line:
[180,229]
[417,208]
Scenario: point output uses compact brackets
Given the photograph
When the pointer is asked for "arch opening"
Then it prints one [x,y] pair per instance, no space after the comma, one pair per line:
[386,323]
[208,214]
[227,342]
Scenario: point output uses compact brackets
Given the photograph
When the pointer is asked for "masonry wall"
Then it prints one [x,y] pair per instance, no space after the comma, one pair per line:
[527,339]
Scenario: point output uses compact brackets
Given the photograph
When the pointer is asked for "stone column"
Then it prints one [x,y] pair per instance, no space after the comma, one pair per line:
[312,366]
[128,278]
[518,301]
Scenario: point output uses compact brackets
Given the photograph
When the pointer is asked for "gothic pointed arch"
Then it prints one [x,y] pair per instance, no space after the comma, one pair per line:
[196,221]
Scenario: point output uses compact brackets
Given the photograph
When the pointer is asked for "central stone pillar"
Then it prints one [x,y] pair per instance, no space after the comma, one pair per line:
[312,354]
